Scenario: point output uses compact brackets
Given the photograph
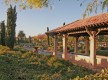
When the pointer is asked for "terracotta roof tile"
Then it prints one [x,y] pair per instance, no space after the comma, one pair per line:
[98,19]
[90,21]
[52,31]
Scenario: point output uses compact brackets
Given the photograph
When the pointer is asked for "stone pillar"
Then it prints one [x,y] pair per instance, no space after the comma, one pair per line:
[65,54]
[93,49]
[55,45]
[76,45]
[86,46]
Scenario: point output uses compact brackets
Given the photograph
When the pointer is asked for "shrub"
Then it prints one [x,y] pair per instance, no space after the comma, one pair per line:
[20,48]
[3,50]
[26,55]
[102,52]
[98,76]
[31,66]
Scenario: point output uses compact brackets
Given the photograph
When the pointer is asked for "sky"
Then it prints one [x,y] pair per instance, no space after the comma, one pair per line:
[35,21]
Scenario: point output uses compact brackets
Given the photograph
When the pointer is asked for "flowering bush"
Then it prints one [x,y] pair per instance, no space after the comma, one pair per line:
[98,76]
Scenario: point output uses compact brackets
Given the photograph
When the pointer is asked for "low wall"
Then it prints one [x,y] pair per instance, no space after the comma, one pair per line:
[102,61]
[85,61]
[80,60]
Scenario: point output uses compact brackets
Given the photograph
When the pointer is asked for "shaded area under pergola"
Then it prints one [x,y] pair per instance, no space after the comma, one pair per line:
[90,27]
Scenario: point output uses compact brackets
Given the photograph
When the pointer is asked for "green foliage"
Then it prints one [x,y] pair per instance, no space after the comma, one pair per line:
[93,6]
[48,36]
[20,48]
[102,52]
[32,66]
[30,39]
[21,36]
[98,76]
[26,55]
[6,50]
[105,4]
[29,3]
[11,24]
[3,49]
[100,38]
[2,33]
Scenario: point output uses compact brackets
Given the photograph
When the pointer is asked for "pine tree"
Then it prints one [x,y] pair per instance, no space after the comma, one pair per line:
[11,25]
[2,35]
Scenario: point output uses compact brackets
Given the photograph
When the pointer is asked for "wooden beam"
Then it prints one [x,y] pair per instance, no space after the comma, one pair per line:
[103,29]
[55,45]
[78,35]
[98,32]
[88,31]
[77,32]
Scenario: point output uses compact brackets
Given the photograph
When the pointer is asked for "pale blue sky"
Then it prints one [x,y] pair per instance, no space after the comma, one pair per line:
[35,21]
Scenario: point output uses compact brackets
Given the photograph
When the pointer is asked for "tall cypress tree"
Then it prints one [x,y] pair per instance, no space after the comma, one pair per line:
[2,35]
[30,39]
[48,36]
[11,25]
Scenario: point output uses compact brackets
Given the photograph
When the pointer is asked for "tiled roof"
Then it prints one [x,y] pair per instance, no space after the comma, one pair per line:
[53,31]
[87,22]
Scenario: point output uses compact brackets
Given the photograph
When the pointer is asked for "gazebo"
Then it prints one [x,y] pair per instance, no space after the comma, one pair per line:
[90,27]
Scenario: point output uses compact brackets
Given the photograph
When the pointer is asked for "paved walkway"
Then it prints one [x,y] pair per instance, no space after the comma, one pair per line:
[44,52]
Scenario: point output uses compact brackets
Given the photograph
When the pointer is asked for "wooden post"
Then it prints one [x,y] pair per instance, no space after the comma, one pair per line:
[76,45]
[86,46]
[55,45]
[65,54]
[93,49]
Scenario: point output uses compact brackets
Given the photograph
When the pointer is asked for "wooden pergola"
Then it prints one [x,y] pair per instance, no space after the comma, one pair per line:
[90,27]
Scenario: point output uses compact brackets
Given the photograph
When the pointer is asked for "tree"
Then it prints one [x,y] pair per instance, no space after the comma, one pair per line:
[11,25]
[30,39]
[29,3]
[2,35]
[100,38]
[48,36]
[93,5]
[40,39]
[21,36]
